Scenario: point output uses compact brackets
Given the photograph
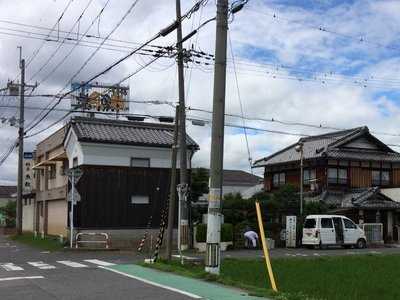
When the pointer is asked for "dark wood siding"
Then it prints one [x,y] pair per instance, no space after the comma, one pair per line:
[396,177]
[360,177]
[106,197]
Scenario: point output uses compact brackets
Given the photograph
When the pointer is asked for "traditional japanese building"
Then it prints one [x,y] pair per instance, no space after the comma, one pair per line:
[351,170]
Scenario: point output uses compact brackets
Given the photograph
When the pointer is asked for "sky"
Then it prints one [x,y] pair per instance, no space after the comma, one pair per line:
[326,62]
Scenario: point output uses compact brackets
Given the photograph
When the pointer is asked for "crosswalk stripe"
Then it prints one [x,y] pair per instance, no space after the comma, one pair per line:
[100,262]
[72,264]
[11,267]
[41,265]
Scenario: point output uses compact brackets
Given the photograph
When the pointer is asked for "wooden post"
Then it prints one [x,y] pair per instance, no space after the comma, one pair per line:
[265,248]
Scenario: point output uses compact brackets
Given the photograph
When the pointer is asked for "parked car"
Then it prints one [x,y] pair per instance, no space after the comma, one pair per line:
[332,230]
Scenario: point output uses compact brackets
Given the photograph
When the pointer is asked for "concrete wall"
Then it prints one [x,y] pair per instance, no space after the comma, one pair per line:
[57,217]
[28,214]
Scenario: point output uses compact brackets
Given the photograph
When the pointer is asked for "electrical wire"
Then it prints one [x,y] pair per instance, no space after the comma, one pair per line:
[36,52]
[163,32]
[47,61]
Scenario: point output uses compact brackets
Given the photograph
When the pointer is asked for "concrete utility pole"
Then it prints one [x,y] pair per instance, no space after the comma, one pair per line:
[213,258]
[184,222]
[20,145]
[172,194]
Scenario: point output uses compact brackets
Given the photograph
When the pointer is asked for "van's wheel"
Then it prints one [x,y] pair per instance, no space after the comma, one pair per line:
[361,244]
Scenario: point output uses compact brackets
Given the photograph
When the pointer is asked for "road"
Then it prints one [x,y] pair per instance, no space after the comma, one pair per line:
[27,273]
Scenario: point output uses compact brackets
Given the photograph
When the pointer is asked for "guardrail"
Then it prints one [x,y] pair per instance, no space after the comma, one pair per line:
[106,240]
[373,232]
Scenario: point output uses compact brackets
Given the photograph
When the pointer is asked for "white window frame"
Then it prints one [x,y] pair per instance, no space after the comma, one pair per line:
[144,160]
[140,199]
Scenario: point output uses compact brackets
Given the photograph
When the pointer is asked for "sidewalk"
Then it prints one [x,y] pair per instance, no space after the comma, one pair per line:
[191,287]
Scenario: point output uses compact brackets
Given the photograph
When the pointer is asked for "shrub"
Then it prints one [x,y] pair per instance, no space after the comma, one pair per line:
[226,233]
[9,212]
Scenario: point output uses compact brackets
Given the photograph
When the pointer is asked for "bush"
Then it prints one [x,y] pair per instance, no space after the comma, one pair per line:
[9,212]
[226,233]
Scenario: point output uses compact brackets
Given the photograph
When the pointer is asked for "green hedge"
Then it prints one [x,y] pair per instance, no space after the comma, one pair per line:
[226,233]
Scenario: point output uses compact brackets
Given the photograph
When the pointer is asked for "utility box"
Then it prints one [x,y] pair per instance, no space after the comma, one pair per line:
[291,231]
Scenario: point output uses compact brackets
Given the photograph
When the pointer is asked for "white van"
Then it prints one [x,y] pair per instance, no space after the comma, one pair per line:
[325,230]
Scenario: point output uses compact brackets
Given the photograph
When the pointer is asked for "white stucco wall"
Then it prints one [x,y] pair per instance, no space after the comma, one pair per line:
[116,155]
[28,217]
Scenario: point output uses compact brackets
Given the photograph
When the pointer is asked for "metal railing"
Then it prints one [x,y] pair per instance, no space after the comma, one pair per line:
[373,232]
[105,241]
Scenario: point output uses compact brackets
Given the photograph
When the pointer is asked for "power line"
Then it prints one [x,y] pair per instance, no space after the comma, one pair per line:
[62,42]
[240,103]
[36,52]
[165,31]
[87,61]
[361,39]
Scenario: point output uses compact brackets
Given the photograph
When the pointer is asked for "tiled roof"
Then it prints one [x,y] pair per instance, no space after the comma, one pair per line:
[328,145]
[239,177]
[7,190]
[126,132]
[360,198]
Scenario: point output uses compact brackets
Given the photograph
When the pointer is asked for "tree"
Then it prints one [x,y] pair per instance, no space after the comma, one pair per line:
[9,212]
[199,183]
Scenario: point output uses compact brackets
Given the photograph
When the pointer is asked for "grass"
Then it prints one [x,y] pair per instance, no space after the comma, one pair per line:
[332,278]
[49,243]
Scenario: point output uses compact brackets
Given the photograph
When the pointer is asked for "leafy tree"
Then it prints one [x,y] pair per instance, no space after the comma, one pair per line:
[9,212]
[199,183]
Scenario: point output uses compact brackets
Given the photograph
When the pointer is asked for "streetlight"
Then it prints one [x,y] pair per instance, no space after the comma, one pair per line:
[299,148]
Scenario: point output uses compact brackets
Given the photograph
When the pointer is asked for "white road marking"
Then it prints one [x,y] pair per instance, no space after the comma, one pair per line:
[19,278]
[100,262]
[71,264]
[155,284]
[11,267]
[41,265]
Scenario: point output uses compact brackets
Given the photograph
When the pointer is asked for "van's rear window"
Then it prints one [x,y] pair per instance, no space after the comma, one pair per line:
[309,223]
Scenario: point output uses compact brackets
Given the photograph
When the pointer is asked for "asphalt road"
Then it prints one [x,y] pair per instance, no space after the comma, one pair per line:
[27,273]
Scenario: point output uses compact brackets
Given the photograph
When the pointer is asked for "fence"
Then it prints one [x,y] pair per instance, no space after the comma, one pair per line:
[373,232]
[92,238]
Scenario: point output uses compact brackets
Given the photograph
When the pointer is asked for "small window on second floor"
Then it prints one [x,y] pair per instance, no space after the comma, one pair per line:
[140,162]
[52,172]
[380,178]
[337,176]
[278,179]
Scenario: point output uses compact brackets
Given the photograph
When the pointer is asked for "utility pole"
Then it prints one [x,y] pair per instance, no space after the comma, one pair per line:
[11,86]
[213,258]
[20,144]
[184,222]
[172,194]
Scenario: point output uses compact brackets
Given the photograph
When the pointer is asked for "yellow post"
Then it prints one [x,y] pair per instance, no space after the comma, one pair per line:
[265,247]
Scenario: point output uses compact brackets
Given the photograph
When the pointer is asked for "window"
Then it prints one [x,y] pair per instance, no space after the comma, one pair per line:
[326,223]
[309,175]
[140,162]
[337,176]
[310,223]
[75,162]
[140,199]
[342,176]
[380,178]
[349,224]
[52,172]
[278,179]
[385,178]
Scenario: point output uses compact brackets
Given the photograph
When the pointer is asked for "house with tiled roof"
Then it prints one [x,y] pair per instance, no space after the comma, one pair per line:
[125,177]
[351,170]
